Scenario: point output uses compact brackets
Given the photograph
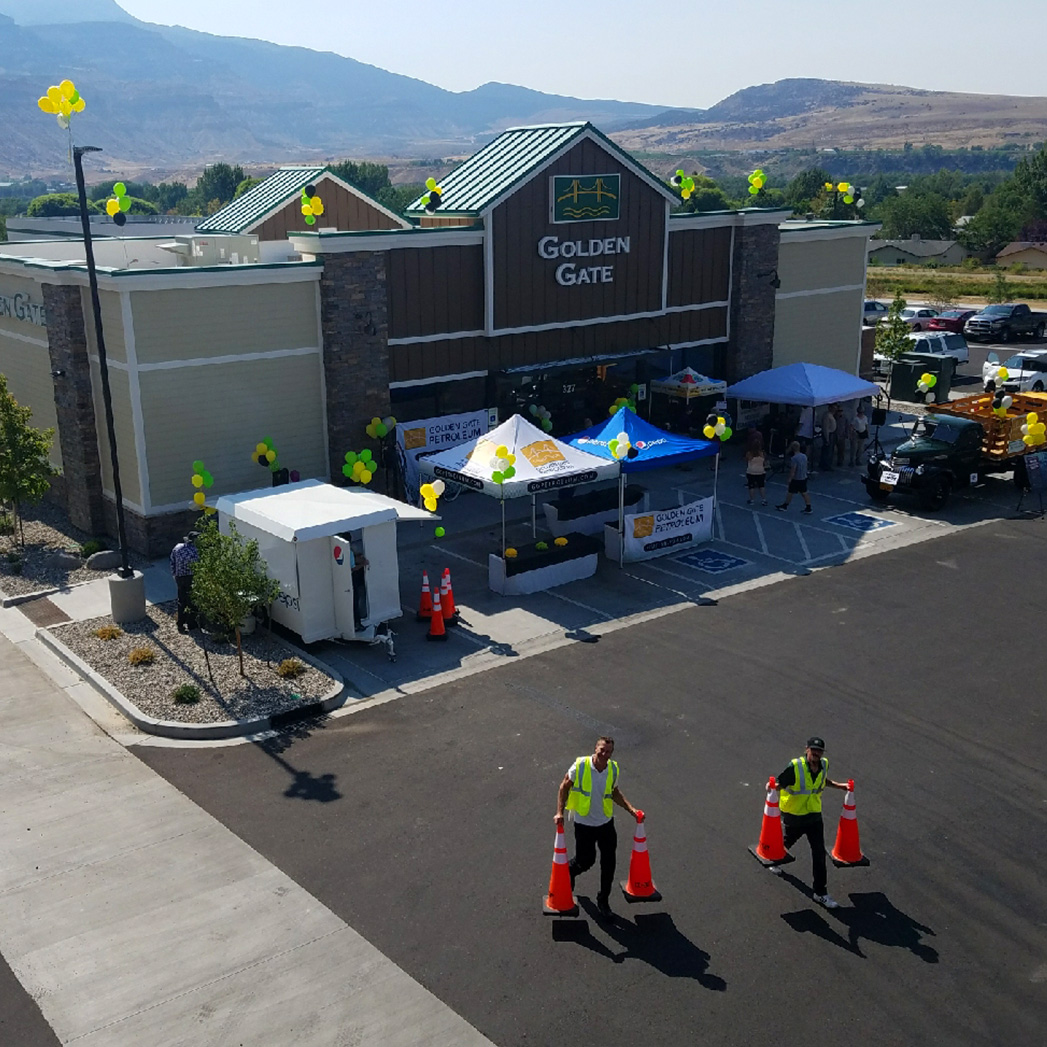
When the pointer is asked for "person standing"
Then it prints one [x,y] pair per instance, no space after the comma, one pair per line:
[843,434]
[859,434]
[589,790]
[797,479]
[183,556]
[828,439]
[800,788]
[756,470]
[358,564]
[805,427]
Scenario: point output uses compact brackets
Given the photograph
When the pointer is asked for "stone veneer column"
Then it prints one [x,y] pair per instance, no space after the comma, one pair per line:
[752,301]
[354,303]
[74,402]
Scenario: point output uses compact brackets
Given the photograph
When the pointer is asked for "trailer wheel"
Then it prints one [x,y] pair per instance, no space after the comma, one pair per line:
[938,493]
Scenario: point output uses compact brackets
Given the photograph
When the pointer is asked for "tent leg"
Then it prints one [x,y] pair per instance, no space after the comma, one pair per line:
[621,518]
[534,517]
[502,500]
[716,477]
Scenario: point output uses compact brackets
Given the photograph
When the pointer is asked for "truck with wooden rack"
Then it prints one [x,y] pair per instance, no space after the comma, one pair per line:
[955,445]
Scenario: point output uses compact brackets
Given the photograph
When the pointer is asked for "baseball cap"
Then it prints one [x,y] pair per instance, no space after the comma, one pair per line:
[815,742]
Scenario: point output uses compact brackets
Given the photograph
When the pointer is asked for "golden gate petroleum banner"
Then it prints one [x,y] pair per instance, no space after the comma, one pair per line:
[666,531]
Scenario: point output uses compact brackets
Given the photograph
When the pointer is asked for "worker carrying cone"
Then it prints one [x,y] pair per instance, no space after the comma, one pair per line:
[640,887]
[800,787]
[847,850]
[589,790]
[436,622]
[560,899]
[771,850]
[425,605]
[447,599]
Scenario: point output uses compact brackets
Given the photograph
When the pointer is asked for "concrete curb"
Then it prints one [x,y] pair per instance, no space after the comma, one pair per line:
[334,698]
[14,601]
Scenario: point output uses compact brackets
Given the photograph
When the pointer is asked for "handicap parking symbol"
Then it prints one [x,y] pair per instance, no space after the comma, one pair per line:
[712,561]
[859,521]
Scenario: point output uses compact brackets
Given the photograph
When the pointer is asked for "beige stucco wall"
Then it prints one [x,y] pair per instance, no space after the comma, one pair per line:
[196,323]
[806,265]
[819,329]
[123,424]
[218,412]
[112,324]
[26,363]
[1033,259]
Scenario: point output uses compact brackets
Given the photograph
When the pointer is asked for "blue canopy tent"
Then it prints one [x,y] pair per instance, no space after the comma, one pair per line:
[650,448]
[803,385]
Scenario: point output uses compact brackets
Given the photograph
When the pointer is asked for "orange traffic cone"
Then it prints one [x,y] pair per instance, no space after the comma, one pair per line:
[560,900]
[436,622]
[640,887]
[848,850]
[425,605]
[447,599]
[771,848]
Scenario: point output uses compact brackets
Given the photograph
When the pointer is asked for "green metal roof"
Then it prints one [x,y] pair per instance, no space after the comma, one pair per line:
[510,160]
[249,210]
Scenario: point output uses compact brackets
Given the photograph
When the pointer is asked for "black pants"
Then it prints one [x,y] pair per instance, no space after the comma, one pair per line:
[586,840]
[811,826]
[186,617]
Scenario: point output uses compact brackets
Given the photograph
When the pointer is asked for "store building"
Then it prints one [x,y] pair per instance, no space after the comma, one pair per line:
[553,272]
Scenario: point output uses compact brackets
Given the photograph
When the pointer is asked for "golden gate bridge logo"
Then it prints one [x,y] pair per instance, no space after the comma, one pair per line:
[589,198]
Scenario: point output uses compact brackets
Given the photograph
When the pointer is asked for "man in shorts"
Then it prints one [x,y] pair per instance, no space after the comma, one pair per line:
[797,479]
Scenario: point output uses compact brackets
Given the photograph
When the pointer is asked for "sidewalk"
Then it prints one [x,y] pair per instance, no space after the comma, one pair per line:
[132,917]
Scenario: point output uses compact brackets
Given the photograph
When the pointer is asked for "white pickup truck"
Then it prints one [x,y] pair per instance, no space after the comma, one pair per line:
[938,343]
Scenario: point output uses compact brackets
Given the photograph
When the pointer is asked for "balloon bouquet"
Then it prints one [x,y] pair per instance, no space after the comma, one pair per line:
[63,101]
[430,493]
[201,478]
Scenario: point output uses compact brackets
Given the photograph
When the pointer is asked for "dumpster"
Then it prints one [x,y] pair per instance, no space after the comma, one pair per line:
[906,371]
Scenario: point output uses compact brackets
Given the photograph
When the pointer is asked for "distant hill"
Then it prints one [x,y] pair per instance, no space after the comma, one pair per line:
[826,114]
[166,96]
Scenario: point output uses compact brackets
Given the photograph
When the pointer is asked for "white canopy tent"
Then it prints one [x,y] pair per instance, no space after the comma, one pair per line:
[542,463]
[687,383]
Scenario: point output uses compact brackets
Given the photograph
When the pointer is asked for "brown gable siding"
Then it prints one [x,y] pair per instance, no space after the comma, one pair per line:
[525,288]
[342,210]
[699,266]
[435,290]
[459,355]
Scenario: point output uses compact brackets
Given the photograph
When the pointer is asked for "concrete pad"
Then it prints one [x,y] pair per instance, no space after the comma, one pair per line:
[159,583]
[90,600]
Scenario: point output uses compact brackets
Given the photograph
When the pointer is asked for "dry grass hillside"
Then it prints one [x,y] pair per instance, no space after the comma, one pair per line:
[804,114]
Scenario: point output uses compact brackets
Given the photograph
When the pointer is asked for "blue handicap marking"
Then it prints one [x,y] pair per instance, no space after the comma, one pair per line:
[859,521]
[712,561]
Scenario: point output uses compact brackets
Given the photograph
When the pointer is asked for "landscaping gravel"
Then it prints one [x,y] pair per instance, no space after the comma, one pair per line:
[47,532]
[180,660]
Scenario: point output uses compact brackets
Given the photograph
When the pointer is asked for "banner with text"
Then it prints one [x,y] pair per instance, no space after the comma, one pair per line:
[668,530]
[413,439]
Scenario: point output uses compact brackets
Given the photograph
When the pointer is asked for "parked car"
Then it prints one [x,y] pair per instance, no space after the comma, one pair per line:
[918,316]
[951,320]
[1026,372]
[874,312]
[935,343]
[1001,323]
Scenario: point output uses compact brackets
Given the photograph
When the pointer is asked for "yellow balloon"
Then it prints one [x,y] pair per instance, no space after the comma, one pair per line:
[842,187]
[501,451]
[366,477]
[828,185]
[55,95]
[65,107]
[426,491]
[1004,373]
[260,448]
[1032,418]
[307,209]
[67,88]
[198,480]
[709,432]
[317,205]
[111,206]
[78,105]
[510,458]
[199,497]
[430,503]
[46,104]
[270,457]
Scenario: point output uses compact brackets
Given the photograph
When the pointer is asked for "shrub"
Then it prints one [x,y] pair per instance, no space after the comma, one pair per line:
[7,525]
[142,656]
[186,694]
[91,547]
[109,632]
[290,668]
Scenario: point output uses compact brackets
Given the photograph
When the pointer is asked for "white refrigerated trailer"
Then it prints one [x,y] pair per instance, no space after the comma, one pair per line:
[307,533]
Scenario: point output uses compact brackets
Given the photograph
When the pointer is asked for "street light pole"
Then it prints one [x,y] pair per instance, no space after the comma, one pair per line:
[124,570]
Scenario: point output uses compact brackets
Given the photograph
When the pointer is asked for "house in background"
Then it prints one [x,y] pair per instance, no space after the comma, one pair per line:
[916,251]
[1032,255]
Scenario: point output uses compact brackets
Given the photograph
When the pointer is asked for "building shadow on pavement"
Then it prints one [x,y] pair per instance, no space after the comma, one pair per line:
[653,939]
[304,785]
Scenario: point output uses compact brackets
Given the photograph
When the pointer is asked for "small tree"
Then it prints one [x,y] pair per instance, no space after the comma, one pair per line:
[25,472]
[892,334]
[999,292]
[230,580]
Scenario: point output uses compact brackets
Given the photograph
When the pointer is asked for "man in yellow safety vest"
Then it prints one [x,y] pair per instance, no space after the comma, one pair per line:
[800,801]
[587,778]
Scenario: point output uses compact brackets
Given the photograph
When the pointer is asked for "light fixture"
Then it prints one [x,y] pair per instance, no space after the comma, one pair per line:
[775,282]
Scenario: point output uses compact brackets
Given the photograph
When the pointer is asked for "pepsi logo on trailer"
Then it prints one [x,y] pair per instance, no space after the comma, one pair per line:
[339,556]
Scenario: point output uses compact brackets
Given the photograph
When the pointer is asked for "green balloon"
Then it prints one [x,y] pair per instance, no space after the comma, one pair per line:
[727,433]
[274,466]
[347,470]
[497,477]
[268,441]
[381,430]
[310,220]
[547,425]
[125,203]
[198,466]
[440,532]
[208,479]
[509,473]
[119,189]
[753,190]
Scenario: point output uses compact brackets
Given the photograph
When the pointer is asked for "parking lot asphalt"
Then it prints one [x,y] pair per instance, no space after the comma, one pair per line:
[430,826]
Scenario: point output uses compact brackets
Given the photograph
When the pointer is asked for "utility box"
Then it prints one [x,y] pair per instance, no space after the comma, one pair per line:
[906,371]
[305,533]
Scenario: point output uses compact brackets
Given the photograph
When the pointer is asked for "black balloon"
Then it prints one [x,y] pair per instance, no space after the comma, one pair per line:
[433,202]
[119,218]
[633,452]
[310,190]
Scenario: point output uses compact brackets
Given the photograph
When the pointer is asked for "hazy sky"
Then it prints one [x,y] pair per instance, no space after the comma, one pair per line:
[686,54]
